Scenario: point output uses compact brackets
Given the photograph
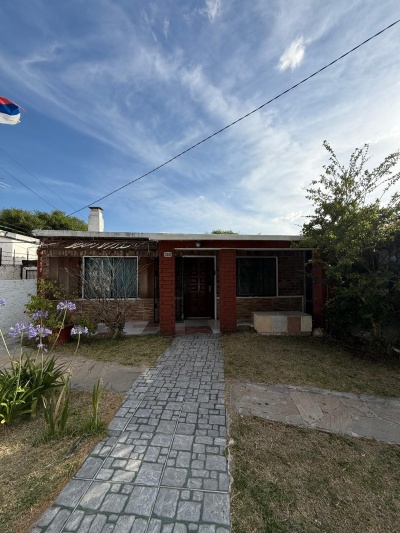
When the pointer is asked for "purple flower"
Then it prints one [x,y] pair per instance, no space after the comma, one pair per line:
[41,331]
[79,330]
[69,306]
[19,329]
[32,333]
[37,332]
[40,314]
[2,302]
[42,346]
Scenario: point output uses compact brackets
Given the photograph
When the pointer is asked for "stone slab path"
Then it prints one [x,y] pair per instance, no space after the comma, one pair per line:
[86,372]
[163,468]
[357,415]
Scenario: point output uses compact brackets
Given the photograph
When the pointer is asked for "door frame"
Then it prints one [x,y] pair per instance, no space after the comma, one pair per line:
[214,278]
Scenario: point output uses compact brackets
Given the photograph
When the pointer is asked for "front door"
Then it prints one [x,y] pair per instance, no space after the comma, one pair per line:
[198,283]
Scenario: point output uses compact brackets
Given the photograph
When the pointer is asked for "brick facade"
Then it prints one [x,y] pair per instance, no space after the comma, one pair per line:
[167,289]
[63,263]
[141,310]
[245,306]
[227,290]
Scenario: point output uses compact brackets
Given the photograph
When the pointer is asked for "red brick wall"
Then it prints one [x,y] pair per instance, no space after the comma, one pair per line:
[167,289]
[227,290]
[245,306]
[291,273]
[142,309]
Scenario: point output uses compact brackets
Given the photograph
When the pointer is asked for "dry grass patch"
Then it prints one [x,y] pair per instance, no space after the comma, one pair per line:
[33,472]
[294,480]
[307,361]
[134,350]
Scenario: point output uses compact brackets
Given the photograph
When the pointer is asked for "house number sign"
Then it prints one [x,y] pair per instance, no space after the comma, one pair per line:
[167,254]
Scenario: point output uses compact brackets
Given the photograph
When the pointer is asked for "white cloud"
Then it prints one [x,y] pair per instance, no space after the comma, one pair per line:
[293,56]
[212,9]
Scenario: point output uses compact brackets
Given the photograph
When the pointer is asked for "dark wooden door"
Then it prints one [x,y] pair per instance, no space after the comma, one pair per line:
[198,275]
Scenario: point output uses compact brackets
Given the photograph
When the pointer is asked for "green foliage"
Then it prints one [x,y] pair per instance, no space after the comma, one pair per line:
[56,412]
[223,232]
[25,384]
[19,220]
[97,393]
[355,228]
[15,400]
[49,294]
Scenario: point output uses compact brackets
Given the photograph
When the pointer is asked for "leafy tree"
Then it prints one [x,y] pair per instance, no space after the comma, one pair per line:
[223,232]
[19,220]
[356,233]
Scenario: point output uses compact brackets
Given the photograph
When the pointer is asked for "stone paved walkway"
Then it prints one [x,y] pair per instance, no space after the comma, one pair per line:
[357,415]
[163,468]
[86,372]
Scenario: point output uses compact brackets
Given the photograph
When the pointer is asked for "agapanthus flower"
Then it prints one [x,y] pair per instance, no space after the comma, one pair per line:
[41,331]
[40,314]
[69,306]
[32,333]
[19,329]
[2,302]
[79,330]
[42,346]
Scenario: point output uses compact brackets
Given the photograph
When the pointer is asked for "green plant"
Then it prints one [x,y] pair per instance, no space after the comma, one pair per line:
[42,376]
[56,413]
[97,392]
[15,400]
[52,307]
[31,380]
[355,229]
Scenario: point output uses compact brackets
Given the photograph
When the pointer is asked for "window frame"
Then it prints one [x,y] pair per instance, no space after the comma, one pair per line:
[274,257]
[108,257]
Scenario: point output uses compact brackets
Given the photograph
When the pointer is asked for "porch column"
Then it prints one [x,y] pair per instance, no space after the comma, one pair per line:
[167,289]
[227,291]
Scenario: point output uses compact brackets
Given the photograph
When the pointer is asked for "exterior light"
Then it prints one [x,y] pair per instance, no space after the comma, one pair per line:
[198,244]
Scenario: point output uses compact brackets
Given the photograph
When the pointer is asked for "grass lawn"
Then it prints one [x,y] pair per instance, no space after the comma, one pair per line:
[32,472]
[296,480]
[134,350]
[307,361]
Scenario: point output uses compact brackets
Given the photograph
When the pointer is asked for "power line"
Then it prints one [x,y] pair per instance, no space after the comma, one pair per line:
[238,120]
[36,178]
[29,189]
[17,229]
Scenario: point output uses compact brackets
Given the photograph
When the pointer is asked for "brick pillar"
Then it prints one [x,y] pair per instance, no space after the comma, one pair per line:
[167,290]
[227,291]
[318,295]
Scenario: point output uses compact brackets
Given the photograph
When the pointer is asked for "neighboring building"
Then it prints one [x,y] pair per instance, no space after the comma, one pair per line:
[172,277]
[18,256]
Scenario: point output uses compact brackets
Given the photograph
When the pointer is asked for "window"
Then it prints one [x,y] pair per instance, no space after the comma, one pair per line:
[256,276]
[110,277]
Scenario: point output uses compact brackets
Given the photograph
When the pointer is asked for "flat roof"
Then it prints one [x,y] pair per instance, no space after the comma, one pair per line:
[164,236]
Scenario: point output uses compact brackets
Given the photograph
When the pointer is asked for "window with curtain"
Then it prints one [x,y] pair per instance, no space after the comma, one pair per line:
[110,277]
[256,276]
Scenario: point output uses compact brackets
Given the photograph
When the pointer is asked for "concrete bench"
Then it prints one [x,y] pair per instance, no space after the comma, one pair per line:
[281,322]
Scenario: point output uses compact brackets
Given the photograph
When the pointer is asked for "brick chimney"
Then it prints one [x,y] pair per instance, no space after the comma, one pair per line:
[96,221]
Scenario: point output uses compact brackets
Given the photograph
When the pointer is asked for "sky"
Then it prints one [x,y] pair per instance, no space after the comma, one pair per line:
[114,88]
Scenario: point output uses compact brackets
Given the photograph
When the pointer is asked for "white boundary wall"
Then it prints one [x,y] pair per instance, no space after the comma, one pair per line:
[15,293]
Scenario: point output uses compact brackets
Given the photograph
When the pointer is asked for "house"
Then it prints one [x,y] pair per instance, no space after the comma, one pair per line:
[18,256]
[175,277]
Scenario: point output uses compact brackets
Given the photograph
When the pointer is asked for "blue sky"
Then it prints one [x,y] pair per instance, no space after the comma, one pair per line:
[113,88]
